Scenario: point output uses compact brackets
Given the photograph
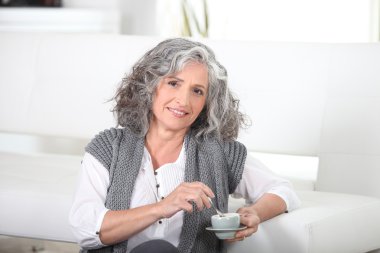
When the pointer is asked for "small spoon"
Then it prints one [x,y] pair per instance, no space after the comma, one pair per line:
[216,209]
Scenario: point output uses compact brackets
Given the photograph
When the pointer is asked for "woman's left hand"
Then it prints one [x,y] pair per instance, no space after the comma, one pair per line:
[249,218]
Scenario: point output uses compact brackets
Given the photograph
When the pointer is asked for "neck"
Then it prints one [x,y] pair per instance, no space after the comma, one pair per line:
[158,140]
[164,146]
[159,136]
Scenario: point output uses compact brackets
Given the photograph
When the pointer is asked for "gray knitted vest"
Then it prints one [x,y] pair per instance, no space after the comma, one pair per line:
[217,164]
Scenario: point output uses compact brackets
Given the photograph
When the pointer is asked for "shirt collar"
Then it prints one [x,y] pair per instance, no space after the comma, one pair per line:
[147,160]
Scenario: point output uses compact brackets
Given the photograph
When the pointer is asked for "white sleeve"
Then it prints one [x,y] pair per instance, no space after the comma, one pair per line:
[257,180]
[88,209]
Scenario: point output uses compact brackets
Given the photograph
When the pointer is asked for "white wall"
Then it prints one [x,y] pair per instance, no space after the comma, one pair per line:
[270,20]
[295,20]
[100,4]
[137,17]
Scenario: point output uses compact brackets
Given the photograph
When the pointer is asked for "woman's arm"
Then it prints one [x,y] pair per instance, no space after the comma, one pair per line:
[92,223]
[257,180]
[95,226]
[118,226]
[87,210]
[270,195]
[267,207]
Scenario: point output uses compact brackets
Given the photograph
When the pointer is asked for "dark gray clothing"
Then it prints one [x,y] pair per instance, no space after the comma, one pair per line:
[155,246]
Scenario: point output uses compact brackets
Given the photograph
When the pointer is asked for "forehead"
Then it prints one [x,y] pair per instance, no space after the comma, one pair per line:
[195,70]
[192,66]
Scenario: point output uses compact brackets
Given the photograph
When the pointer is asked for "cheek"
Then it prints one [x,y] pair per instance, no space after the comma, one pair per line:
[154,102]
[159,100]
[199,105]
[156,106]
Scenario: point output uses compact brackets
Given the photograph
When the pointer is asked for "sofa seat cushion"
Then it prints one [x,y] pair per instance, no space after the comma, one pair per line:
[35,194]
[326,222]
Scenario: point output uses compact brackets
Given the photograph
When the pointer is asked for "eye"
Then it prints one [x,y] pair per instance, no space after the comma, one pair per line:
[198,91]
[173,83]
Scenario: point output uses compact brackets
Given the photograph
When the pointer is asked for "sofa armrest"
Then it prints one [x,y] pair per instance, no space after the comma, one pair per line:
[36,194]
[326,222]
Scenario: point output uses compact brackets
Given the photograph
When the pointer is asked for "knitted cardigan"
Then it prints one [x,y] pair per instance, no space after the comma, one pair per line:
[217,164]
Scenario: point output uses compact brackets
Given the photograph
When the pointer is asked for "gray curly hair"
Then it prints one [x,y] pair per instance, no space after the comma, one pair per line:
[220,116]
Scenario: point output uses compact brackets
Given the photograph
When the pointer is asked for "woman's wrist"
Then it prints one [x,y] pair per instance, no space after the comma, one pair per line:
[158,210]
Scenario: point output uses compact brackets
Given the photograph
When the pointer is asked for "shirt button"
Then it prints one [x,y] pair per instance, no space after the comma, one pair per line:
[155,173]
[162,197]
[158,185]
[160,222]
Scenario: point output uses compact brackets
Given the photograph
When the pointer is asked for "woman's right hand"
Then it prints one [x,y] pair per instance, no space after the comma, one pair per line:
[183,197]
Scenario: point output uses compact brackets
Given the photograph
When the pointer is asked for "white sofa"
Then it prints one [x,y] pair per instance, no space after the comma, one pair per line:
[317,100]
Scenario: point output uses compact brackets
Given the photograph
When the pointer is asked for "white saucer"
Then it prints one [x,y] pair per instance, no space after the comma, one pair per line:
[221,230]
[226,233]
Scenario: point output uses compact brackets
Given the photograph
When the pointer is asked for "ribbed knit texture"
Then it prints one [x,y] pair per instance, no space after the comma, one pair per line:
[217,164]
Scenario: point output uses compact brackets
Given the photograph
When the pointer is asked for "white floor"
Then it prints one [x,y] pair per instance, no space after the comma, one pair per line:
[24,245]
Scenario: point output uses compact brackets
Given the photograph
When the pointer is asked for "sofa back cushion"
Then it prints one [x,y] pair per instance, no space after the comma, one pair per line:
[350,138]
[58,85]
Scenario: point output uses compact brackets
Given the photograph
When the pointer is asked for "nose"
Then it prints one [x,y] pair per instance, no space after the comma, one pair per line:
[183,97]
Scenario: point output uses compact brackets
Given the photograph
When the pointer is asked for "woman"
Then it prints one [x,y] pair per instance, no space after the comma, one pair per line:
[151,179]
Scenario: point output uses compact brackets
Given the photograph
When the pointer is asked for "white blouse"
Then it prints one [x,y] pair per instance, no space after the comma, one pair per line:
[88,209]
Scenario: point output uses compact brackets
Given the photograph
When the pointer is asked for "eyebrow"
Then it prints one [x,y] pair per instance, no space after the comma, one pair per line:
[181,80]
[174,77]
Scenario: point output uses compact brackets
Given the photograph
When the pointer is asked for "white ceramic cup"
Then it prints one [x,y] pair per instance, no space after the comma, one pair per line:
[229,221]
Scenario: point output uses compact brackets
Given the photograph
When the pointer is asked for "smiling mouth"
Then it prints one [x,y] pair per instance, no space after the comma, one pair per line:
[178,113]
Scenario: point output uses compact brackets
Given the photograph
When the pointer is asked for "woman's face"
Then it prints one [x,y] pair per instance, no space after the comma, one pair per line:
[180,98]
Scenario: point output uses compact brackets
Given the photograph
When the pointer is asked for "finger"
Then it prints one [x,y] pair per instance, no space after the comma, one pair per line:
[243,210]
[249,220]
[193,197]
[199,203]
[236,239]
[246,232]
[187,207]
[204,188]
[182,198]
[206,200]
[206,196]
[202,202]
[201,194]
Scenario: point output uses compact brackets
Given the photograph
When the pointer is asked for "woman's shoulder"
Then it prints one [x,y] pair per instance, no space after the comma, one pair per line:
[234,147]
[112,133]
[228,144]
[101,146]
[108,137]
[105,139]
